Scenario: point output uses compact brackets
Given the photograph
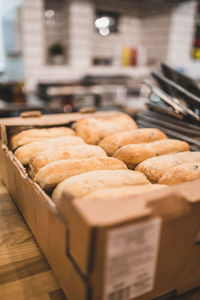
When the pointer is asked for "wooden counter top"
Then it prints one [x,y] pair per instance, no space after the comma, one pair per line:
[24,272]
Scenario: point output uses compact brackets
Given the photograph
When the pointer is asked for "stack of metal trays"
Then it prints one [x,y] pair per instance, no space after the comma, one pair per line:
[173,127]
[172,107]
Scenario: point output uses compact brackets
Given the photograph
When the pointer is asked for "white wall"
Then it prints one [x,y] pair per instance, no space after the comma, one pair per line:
[182,30]
[81,44]
[13,66]
[155,35]
[2,54]
[80,33]
[36,70]
[111,46]
[166,33]
[128,35]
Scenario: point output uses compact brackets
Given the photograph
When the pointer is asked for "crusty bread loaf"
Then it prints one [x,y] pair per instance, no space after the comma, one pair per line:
[143,135]
[123,191]
[24,153]
[92,130]
[134,154]
[45,157]
[52,174]
[83,184]
[182,173]
[155,167]
[33,135]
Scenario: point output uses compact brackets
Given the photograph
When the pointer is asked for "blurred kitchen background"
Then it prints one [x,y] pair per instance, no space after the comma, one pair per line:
[63,55]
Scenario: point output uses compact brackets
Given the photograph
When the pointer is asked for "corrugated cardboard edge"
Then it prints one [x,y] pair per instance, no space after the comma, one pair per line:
[88,214]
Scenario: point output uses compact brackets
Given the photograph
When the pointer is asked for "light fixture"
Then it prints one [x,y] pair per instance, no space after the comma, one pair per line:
[102,22]
[104,31]
[106,22]
[49,13]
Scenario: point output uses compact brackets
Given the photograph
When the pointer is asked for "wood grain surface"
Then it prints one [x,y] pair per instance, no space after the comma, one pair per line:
[24,272]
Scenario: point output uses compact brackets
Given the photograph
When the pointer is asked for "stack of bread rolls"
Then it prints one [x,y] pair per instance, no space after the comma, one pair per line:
[93,160]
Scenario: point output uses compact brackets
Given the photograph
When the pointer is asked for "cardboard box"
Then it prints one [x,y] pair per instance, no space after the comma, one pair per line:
[147,246]
[141,247]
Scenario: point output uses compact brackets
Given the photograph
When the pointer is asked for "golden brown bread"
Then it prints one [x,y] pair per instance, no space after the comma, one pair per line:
[32,135]
[45,157]
[182,173]
[83,184]
[123,191]
[24,153]
[134,154]
[155,167]
[92,130]
[143,135]
[52,174]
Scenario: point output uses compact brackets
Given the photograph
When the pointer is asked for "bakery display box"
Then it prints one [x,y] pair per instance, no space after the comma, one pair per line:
[140,247]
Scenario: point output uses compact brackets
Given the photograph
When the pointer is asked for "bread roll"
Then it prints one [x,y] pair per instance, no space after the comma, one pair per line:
[92,130]
[45,157]
[24,153]
[143,135]
[32,135]
[182,173]
[134,154]
[81,185]
[52,174]
[123,191]
[155,167]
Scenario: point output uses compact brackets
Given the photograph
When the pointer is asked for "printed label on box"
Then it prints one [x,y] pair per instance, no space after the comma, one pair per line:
[131,260]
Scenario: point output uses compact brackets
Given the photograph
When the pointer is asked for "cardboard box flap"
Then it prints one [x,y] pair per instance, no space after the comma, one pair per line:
[109,212]
[165,203]
[53,119]
[84,216]
[81,229]
[105,212]
[189,190]
[79,233]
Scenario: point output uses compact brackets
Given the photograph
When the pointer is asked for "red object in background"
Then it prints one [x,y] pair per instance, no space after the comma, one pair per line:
[197,42]
[133,59]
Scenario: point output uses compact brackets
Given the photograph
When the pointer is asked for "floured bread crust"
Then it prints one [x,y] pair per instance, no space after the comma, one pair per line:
[118,192]
[24,153]
[134,154]
[52,174]
[32,135]
[92,130]
[142,135]
[155,167]
[182,173]
[81,185]
[45,157]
